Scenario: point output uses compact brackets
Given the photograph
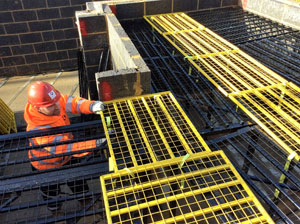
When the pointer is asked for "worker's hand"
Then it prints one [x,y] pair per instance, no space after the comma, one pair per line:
[97,107]
[100,141]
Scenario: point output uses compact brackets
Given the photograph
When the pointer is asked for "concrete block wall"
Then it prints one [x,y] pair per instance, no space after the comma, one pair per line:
[119,49]
[93,35]
[98,28]
[283,11]
[137,10]
[131,76]
[38,36]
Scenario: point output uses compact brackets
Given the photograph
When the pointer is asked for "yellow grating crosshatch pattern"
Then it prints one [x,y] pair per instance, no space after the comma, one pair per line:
[266,108]
[149,128]
[7,119]
[205,189]
[263,95]
[222,62]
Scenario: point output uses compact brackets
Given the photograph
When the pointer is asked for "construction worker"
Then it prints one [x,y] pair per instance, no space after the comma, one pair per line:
[47,108]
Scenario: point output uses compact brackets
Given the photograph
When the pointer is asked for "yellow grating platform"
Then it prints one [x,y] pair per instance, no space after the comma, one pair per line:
[149,128]
[220,61]
[262,94]
[205,189]
[277,110]
[7,119]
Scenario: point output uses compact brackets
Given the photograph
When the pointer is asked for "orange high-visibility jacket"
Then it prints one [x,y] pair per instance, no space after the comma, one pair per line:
[36,120]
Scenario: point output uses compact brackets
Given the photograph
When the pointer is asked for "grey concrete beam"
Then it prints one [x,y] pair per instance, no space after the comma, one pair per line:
[98,27]
[282,11]
[122,83]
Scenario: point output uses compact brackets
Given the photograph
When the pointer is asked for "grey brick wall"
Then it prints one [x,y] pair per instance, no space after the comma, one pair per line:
[38,36]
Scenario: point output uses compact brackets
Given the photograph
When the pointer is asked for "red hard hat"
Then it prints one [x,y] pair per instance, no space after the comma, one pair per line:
[42,94]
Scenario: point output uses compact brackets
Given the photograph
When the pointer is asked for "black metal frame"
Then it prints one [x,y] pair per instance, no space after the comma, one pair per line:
[20,185]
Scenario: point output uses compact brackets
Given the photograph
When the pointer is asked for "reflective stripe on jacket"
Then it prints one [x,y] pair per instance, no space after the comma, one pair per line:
[35,121]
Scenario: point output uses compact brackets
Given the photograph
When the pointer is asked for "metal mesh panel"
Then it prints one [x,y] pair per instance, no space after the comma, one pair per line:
[147,129]
[198,97]
[239,26]
[205,189]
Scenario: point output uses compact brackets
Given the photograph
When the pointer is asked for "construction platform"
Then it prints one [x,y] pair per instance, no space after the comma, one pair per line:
[165,147]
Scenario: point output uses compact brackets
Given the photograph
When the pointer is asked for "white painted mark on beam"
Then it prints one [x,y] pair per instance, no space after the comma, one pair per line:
[57,76]
[73,89]
[3,82]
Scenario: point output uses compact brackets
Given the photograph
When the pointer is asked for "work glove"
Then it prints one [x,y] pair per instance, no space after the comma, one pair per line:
[97,107]
[100,141]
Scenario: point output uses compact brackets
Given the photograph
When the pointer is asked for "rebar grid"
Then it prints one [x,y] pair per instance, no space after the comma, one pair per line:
[273,44]
[206,188]
[258,159]
[170,72]
[281,54]
[226,64]
[273,159]
[70,193]
[239,26]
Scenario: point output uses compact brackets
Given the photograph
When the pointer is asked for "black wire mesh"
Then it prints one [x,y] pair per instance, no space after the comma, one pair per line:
[275,45]
[261,163]
[238,26]
[281,54]
[68,194]
[258,159]
[199,98]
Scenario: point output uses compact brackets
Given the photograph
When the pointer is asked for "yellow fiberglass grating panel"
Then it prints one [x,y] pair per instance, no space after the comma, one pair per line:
[232,73]
[249,72]
[193,46]
[161,23]
[173,137]
[203,43]
[217,40]
[7,119]
[218,75]
[142,130]
[116,141]
[131,130]
[278,114]
[154,134]
[264,72]
[195,142]
[206,188]
[184,48]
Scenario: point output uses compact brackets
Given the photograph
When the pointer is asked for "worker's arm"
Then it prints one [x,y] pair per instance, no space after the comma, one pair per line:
[81,105]
[72,147]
